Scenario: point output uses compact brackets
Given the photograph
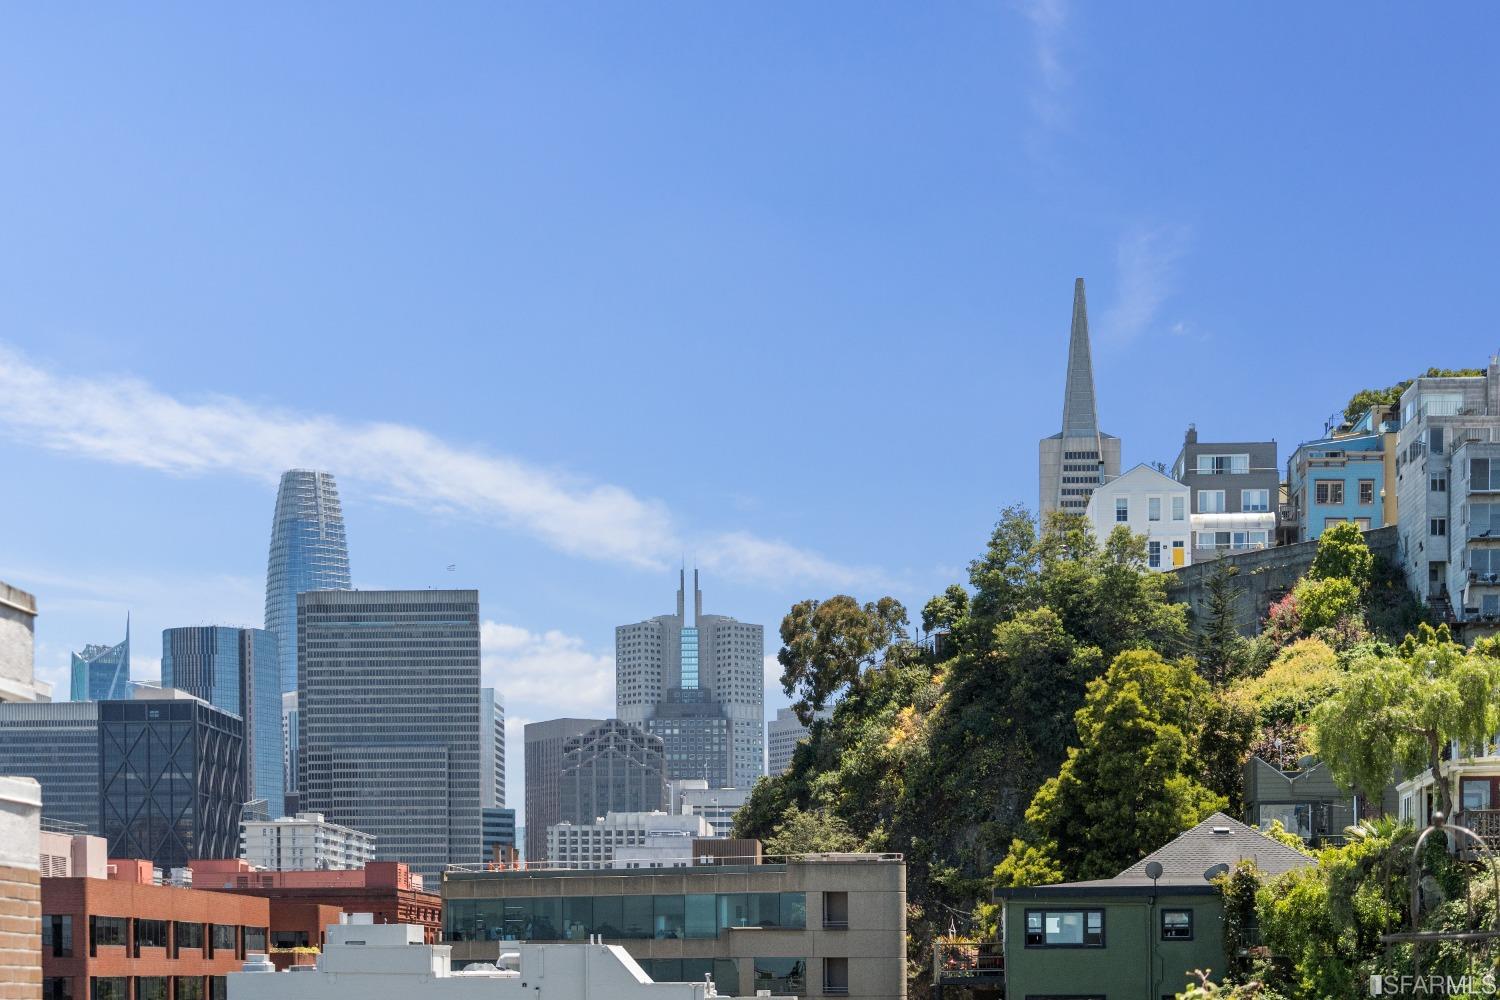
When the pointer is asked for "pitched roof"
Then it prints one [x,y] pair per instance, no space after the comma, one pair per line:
[1217,840]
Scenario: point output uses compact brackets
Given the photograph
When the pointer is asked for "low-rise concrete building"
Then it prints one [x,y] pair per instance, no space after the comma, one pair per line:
[305,842]
[693,797]
[624,837]
[362,961]
[813,925]
[1140,934]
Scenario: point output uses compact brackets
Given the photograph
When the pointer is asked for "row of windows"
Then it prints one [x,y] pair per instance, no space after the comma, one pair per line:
[145,988]
[57,936]
[1085,928]
[1213,501]
[574,918]
[1331,491]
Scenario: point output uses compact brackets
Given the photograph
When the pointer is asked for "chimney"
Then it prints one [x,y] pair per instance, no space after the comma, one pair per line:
[1191,437]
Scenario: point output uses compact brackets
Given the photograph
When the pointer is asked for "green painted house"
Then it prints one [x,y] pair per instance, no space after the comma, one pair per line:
[1132,937]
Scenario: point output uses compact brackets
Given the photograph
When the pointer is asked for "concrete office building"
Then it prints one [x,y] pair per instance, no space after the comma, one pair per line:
[171,778]
[389,719]
[308,552]
[545,742]
[1149,503]
[613,767]
[693,797]
[101,673]
[1235,487]
[1448,482]
[699,686]
[69,770]
[1348,474]
[623,837]
[783,734]
[289,752]
[235,669]
[491,749]
[363,961]
[823,925]
[1074,461]
[305,842]
[18,681]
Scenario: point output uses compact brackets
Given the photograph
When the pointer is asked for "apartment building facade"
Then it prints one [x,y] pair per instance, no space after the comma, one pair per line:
[1236,486]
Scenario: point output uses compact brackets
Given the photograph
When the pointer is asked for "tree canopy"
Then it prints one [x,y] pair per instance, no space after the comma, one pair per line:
[1366,398]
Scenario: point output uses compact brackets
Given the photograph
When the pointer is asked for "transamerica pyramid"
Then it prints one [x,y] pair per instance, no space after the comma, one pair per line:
[1076,460]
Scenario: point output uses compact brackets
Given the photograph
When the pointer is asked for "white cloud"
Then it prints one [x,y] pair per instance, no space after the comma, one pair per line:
[746,557]
[1145,276]
[124,420]
[772,669]
[1049,20]
[540,670]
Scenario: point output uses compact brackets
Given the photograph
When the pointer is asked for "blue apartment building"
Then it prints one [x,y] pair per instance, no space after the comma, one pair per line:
[1345,476]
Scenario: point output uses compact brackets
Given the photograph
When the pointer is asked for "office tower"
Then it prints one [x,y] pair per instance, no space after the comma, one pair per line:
[785,732]
[308,552]
[613,767]
[289,751]
[499,831]
[1448,503]
[491,749]
[544,759]
[1236,489]
[699,686]
[235,669]
[57,743]
[102,672]
[171,778]
[1081,457]
[388,719]
[18,680]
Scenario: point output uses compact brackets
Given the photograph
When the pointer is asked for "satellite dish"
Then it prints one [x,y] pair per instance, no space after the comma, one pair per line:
[1153,870]
[1215,872]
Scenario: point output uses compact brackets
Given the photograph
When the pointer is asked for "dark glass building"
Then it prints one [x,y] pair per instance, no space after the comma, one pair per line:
[235,669]
[613,767]
[102,672]
[499,830]
[171,779]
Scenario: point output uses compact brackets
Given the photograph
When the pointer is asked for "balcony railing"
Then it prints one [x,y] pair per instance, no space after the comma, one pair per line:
[1485,822]
[968,961]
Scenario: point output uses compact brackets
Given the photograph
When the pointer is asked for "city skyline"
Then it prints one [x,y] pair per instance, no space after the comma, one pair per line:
[716,318]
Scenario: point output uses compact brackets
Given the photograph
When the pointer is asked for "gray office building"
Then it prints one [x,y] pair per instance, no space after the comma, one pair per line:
[698,684]
[491,749]
[1235,488]
[614,767]
[57,743]
[545,742]
[171,778]
[235,669]
[389,719]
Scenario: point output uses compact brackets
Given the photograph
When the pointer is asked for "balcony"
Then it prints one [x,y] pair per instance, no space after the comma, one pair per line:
[968,963]
[1484,822]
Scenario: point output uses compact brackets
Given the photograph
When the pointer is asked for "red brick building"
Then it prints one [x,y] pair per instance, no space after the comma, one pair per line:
[388,889]
[127,939]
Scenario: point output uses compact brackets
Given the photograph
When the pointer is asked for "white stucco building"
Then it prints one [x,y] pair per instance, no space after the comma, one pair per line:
[305,842]
[1149,503]
[367,961]
[693,797]
[627,839]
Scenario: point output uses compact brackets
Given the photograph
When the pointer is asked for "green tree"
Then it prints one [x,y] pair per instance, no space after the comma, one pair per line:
[945,610]
[1129,786]
[1221,648]
[1366,398]
[1301,677]
[812,832]
[1343,555]
[827,644]
[1402,710]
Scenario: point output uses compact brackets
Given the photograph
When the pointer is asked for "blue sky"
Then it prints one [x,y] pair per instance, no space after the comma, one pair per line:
[563,293]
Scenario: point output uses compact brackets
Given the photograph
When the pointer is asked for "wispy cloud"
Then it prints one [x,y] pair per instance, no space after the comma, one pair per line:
[531,667]
[1145,276]
[124,420]
[1049,22]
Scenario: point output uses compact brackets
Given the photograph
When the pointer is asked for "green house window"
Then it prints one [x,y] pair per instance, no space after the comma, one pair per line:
[1065,928]
[1176,925]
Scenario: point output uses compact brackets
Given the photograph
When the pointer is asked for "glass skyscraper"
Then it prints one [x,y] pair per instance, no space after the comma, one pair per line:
[102,672]
[308,552]
[235,669]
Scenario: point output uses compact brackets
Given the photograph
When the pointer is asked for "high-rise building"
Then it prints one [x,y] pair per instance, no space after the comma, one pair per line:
[18,680]
[101,672]
[235,669]
[1081,456]
[499,830]
[57,743]
[784,733]
[613,767]
[308,552]
[171,778]
[389,718]
[1448,485]
[699,686]
[491,749]
[289,751]
[544,761]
